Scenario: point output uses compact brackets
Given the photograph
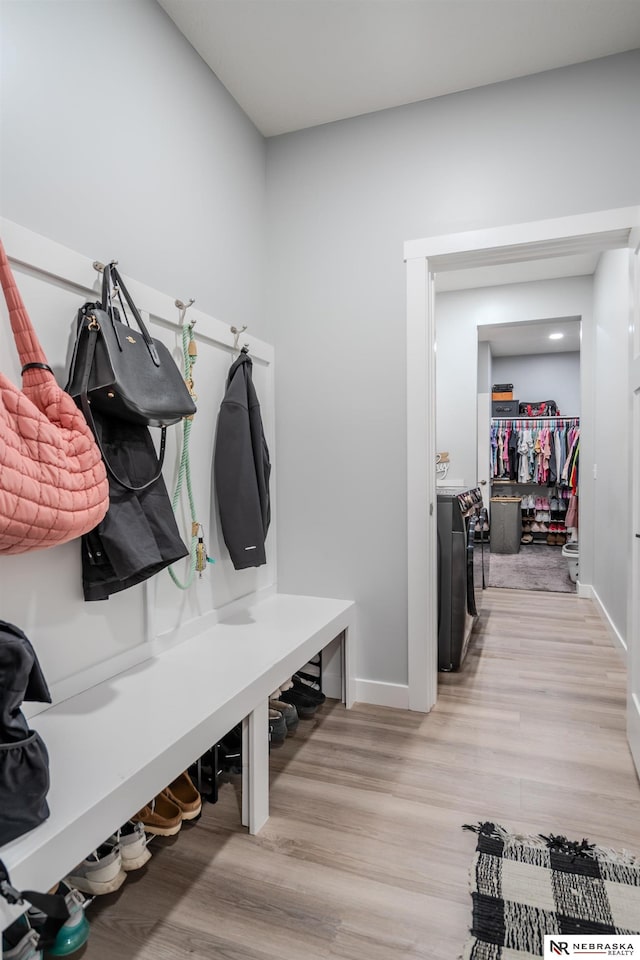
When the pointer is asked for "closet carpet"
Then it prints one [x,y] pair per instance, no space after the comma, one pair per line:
[364,856]
[536,567]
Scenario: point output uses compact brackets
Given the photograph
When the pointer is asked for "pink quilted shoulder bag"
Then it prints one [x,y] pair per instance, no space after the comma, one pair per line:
[53,484]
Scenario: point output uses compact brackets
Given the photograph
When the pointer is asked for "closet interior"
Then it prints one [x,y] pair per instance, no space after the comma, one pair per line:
[537,461]
[534,466]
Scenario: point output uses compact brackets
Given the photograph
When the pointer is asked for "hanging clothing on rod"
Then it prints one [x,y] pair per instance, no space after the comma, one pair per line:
[541,450]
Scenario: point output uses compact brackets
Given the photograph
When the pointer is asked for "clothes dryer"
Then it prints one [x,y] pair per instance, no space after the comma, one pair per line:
[463,570]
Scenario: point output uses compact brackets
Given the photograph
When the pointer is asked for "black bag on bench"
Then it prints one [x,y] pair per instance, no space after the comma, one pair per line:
[24,761]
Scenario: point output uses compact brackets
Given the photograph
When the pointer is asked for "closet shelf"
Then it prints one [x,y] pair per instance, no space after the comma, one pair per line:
[525,416]
[520,483]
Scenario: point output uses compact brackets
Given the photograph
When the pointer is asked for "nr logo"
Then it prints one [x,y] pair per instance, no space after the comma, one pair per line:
[559,947]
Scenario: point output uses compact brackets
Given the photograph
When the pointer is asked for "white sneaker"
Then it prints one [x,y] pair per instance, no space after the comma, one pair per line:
[132,841]
[100,873]
[26,947]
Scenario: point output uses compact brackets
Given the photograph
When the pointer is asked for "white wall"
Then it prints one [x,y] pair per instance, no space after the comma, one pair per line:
[458,316]
[483,433]
[612,429]
[543,376]
[485,367]
[343,198]
[118,141]
[188,216]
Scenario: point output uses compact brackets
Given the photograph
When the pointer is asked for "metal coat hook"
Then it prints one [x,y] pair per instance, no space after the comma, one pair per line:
[237,333]
[183,307]
[99,267]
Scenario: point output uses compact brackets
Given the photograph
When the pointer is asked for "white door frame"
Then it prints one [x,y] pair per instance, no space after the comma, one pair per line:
[633,595]
[601,230]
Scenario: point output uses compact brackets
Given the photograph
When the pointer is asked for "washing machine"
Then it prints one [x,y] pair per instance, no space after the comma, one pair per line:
[463,570]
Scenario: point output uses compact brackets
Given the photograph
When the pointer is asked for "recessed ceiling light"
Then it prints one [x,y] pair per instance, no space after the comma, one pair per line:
[556,336]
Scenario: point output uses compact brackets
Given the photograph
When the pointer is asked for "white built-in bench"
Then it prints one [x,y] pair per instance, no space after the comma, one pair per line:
[116,745]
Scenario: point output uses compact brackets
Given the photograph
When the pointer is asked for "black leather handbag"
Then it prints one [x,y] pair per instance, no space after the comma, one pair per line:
[120,370]
[24,761]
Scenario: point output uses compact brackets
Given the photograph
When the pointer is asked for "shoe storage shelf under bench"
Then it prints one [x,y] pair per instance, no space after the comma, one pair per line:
[116,745]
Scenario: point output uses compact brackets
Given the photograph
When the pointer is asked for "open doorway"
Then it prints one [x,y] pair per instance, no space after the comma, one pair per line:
[518,339]
[613,231]
[529,449]
[493,330]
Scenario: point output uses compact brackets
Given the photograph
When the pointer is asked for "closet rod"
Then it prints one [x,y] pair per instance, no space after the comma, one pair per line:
[558,417]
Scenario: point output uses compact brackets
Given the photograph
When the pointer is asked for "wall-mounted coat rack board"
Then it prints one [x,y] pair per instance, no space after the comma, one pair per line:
[55,282]
[146,681]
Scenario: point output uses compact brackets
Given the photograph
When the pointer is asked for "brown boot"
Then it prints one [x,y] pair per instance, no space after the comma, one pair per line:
[161,817]
[184,795]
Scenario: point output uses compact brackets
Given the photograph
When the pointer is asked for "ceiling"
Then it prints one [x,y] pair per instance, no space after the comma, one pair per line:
[531,337]
[292,64]
[580,265]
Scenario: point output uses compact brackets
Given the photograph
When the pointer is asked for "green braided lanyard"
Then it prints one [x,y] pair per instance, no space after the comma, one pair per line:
[198,558]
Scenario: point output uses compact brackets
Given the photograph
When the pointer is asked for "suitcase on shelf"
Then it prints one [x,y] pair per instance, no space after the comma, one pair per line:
[504,408]
[502,391]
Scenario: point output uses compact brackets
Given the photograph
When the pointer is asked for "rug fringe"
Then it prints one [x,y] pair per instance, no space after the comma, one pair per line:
[576,848]
[467,951]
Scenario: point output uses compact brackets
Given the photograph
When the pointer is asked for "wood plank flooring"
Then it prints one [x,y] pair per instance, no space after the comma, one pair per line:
[364,857]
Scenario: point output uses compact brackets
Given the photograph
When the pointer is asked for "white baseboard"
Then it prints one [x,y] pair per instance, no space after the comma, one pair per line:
[613,630]
[382,694]
[584,591]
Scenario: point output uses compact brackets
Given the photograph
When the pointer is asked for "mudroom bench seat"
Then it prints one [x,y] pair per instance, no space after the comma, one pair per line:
[116,745]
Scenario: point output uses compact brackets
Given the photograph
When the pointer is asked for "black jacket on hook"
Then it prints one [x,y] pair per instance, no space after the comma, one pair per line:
[241,469]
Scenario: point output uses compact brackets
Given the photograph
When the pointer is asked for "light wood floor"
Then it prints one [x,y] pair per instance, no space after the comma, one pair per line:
[364,857]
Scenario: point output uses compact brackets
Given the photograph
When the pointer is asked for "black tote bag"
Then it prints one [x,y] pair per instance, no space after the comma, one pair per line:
[24,761]
[120,368]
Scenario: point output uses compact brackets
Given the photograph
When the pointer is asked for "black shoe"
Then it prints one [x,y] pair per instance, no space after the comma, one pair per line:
[230,751]
[305,705]
[289,713]
[313,678]
[277,728]
[309,688]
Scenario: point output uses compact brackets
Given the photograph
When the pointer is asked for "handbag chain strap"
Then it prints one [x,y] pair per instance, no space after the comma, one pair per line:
[198,558]
[92,329]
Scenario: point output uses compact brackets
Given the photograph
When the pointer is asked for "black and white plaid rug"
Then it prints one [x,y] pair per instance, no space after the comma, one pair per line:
[525,887]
